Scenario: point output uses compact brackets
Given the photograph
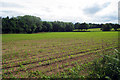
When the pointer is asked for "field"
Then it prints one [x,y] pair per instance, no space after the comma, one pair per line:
[52,52]
[94,30]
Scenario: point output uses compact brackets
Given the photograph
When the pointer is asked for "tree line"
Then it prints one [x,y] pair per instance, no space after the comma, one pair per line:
[33,24]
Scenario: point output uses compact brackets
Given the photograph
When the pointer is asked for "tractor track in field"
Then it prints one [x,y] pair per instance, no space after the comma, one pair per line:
[40,56]
[89,57]
[43,55]
[49,58]
[47,65]
[62,61]
[61,69]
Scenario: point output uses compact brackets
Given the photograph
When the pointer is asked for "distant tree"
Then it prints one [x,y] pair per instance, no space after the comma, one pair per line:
[44,28]
[55,26]
[76,25]
[47,26]
[83,26]
[21,24]
[69,27]
[86,26]
[30,23]
[106,27]
[58,26]
[39,27]
[94,25]
[0,25]
[116,26]
[33,24]
[61,27]
[6,27]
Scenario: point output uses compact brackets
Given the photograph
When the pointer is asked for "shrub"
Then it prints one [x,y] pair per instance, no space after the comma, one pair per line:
[107,68]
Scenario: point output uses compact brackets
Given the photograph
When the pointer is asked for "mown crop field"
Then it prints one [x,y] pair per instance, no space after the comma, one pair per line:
[52,52]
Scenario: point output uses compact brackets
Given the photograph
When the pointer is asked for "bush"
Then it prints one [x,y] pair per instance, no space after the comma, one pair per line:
[107,68]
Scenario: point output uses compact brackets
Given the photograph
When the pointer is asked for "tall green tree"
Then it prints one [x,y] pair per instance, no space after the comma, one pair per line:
[6,27]
[47,26]
[69,27]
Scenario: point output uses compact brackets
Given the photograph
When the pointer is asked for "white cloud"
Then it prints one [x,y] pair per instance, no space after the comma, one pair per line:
[63,10]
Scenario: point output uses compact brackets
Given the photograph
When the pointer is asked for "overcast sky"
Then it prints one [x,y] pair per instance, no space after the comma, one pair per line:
[90,11]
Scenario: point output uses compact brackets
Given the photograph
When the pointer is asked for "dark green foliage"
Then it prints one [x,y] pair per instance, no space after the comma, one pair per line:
[30,23]
[82,26]
[21,24]
[107,68]
[70,74]
[69,27]
[33,24]
[58,26]
[116,26]
[6,27]
[94,25]
[62,26]
[47,26]
[106,27]
[77,25]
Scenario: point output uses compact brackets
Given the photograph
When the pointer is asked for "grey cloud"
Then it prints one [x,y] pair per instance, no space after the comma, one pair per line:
[10,13]
[106,4]
[60,6]
[94,9]
[109,18]
[46,9]
[8,4]
[119,6]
